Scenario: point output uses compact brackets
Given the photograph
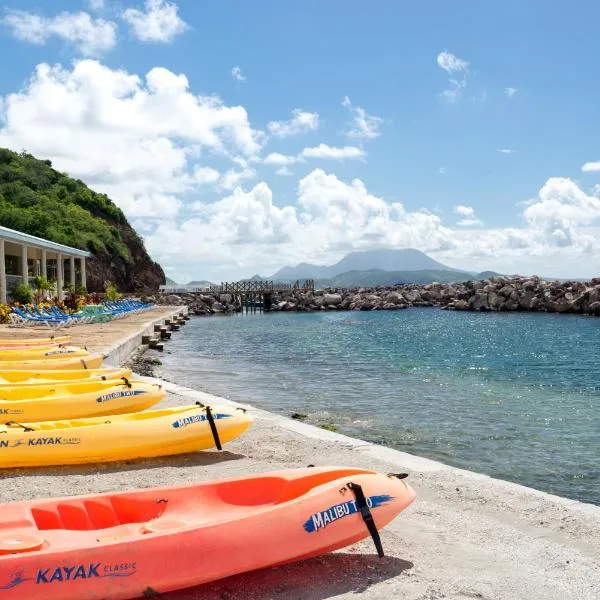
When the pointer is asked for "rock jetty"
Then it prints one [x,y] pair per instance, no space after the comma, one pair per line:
[498,294]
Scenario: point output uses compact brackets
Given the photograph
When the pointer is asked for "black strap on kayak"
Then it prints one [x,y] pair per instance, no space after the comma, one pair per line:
[25,428]
[84,364]
[213,428]
[126,381]
[361,503]
[398,475]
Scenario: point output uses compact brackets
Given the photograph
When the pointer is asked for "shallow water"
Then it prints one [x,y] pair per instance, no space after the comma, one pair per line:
[516,396]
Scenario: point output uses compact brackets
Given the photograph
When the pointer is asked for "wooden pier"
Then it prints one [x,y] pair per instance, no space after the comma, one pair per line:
[257,294]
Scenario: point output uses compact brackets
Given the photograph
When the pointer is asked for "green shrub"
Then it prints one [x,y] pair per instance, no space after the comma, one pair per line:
[111,292]
[22,293]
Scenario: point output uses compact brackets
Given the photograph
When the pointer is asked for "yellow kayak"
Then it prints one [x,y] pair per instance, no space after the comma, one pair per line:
[92,361]
[60,388]
[31,377]
[47,353]
[61,339]
[108,398]
[124,437]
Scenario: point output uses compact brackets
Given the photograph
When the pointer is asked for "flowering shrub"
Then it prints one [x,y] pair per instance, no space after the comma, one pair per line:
[5,310]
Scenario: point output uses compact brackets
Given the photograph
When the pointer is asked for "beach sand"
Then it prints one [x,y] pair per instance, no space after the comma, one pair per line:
[466,535]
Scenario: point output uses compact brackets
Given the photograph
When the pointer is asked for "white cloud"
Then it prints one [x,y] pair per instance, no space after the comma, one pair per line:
[275,158]
[364,125]
[468,213]
[158,22]
[206,175]
[142,141]
[442,170]
[96,4]
[232,178]
[301,122]
[90,37]
[458,70]
[509,92]
[451,63]
[335,153]
[284,172]
[507,151]
[591,167]
[237,74]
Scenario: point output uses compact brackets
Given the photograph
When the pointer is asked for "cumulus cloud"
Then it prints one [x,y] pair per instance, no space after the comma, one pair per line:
[332,152]
[89,37]
[237,74]
[363,125]
[506,151]
[330,215]
[591,167]
[137,139]
[467,213]
[284,172]
[275,158]
[509,92]
[301,122]
[458,70]
[159,21]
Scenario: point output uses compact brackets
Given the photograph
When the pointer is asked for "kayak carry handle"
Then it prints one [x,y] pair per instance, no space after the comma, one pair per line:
[398,475]
[25,427]
[126,382]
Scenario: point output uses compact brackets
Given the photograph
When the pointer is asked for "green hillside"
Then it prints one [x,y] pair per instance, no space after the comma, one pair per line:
[40,201]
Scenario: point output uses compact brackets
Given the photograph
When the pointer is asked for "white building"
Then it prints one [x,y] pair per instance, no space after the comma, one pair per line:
[24,256]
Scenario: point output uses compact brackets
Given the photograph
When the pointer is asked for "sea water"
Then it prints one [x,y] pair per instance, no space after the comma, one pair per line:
[512,395]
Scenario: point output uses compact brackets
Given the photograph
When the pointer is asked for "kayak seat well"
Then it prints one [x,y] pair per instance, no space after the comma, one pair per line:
[96,514]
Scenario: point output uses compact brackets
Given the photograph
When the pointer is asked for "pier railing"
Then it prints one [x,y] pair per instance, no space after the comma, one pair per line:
[261,287]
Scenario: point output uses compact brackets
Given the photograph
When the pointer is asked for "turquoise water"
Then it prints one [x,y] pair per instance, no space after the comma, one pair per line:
[516,396]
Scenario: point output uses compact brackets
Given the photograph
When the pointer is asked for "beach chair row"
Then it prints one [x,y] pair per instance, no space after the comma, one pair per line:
[55,318]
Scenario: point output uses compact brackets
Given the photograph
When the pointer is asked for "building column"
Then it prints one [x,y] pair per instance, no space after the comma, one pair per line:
[24,268]
[44,264]
[72,270]
[83,283]
[59,276]
[2,274]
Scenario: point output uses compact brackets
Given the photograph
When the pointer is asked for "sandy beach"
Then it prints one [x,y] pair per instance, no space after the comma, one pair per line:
[466,535]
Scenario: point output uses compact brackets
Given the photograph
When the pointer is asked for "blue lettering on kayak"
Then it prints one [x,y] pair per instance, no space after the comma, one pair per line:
[66,573]
[323,518]
[122,394]
[185,421]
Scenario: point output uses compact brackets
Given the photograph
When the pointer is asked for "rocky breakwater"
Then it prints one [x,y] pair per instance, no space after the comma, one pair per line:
[498,294]
[199,304]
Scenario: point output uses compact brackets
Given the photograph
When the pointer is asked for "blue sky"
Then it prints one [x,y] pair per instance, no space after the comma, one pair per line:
[449,173]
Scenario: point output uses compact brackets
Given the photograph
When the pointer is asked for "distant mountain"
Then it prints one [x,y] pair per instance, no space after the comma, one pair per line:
[379,277]
[169,281]
[200,283]
[406,259]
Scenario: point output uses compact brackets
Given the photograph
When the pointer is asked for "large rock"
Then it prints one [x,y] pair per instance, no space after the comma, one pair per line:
[332,299]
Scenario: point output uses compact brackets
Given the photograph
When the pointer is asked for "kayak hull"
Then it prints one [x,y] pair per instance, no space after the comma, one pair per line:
[27,377]
[122,437]
[60,339]
[114,399]
[91,361]
[125,545]
[43,353]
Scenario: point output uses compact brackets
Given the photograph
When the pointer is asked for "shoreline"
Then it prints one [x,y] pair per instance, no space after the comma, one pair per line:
[467,535]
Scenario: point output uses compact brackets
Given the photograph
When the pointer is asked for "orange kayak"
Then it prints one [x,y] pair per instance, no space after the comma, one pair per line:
[131,544]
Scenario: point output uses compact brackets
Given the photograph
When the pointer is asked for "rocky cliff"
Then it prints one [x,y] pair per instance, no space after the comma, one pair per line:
[37,199]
